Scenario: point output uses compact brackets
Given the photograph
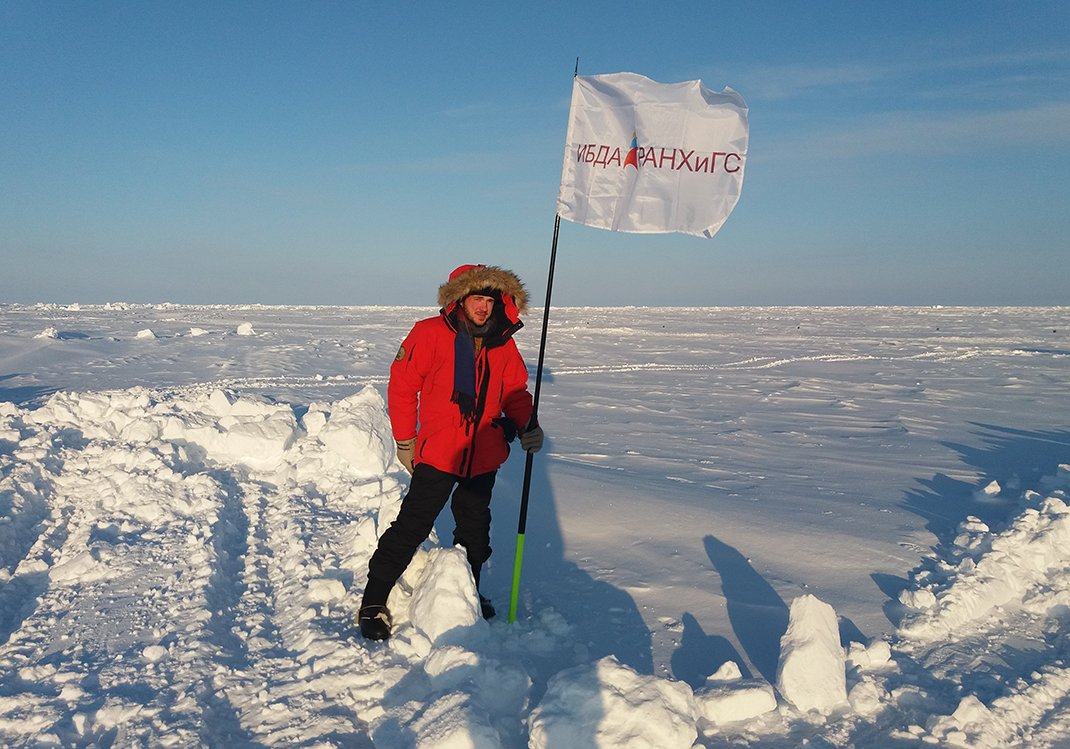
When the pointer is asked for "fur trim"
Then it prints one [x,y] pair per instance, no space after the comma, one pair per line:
[483,277]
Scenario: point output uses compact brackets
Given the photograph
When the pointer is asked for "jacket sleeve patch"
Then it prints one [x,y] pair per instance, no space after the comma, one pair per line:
[400,354]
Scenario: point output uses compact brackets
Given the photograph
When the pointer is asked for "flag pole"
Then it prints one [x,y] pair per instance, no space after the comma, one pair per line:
[530,458]
[529,462]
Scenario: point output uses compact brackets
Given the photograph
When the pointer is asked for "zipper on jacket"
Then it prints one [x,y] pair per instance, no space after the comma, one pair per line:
[463,466]
[482,385]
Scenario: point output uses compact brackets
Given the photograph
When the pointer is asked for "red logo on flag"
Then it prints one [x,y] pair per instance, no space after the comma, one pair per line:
[633,153]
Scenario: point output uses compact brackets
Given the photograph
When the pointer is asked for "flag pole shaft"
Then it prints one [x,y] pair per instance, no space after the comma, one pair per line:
[530,460]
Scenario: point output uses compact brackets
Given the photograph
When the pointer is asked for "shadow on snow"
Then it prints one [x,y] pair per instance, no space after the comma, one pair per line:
[757,613]
[1005,455]
[603,619]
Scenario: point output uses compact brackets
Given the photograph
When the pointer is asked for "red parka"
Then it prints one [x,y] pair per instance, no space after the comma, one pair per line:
[421,387]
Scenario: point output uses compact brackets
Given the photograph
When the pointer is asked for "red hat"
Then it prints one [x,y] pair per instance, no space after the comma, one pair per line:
[472,279]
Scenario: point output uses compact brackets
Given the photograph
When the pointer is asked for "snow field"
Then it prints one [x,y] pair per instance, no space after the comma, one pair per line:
[181,566]
[185,572]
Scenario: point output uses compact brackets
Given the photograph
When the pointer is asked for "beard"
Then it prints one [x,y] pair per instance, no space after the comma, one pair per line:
[475,330]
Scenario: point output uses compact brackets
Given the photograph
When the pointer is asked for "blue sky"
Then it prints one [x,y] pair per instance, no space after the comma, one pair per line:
[353,153]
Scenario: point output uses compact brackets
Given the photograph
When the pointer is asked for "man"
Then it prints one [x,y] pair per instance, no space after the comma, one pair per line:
[457,396]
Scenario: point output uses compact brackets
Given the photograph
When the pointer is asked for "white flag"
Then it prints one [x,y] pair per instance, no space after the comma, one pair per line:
[648,157]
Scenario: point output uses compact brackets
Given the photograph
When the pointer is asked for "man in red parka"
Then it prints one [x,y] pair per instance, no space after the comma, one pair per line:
[458,394]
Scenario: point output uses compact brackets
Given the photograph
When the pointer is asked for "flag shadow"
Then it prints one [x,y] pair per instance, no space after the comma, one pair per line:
[757,613]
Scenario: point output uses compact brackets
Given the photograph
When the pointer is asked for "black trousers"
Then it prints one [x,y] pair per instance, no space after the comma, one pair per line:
[427,495]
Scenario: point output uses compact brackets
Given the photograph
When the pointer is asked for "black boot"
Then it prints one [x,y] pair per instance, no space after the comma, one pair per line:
[374,617]
[485,606]
[374,622]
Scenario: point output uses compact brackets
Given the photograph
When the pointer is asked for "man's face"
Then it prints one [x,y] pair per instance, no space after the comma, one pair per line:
[478,308]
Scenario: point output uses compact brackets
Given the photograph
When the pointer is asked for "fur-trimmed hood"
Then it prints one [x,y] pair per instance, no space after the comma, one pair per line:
[468,279]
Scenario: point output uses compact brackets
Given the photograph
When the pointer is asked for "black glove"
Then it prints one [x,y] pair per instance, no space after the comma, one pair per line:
[507,426]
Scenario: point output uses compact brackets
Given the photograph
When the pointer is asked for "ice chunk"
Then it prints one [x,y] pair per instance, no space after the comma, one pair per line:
[153,653]
[729,671]
[726,702]
[967,726]
[811,670]
[609,705]
[444,603]
[918,599]
[876,655]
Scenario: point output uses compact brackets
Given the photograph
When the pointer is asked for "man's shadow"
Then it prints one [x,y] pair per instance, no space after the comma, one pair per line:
[701,654]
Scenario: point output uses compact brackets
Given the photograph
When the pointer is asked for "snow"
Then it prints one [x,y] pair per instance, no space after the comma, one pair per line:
[870,502]
[444,605]
[811,673]
[728,697]
[608,704]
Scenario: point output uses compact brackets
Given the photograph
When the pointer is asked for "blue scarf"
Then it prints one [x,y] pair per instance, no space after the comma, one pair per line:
[464,375]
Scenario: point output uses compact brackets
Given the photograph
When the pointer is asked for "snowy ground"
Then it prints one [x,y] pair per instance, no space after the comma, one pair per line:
[189,496]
